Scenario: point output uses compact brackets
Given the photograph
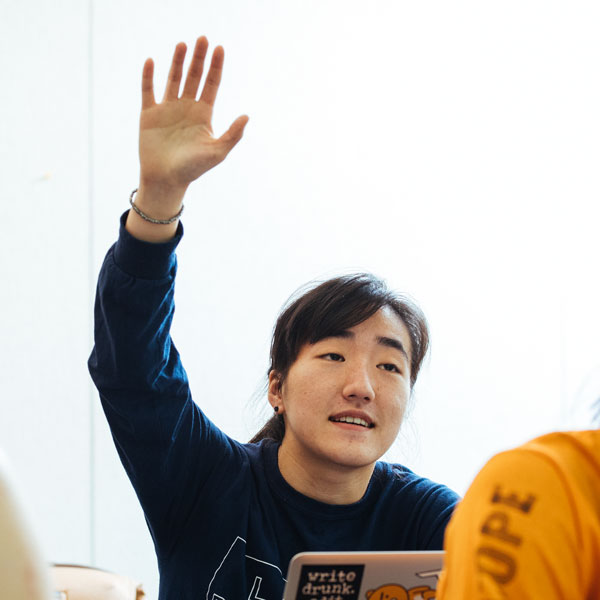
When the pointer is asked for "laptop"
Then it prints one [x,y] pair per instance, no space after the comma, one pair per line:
[363,576]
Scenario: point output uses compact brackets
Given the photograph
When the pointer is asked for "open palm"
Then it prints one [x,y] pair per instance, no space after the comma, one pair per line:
[177,144]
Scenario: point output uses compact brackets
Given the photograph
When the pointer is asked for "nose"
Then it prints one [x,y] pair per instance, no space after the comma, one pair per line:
[357,385]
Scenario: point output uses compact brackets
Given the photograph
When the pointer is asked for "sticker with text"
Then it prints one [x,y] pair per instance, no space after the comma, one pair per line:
[330,582]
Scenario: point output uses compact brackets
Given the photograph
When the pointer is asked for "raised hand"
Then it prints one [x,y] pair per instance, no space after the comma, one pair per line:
[177,144]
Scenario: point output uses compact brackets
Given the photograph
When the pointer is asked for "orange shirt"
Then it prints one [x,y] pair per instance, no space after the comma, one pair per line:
[529,525]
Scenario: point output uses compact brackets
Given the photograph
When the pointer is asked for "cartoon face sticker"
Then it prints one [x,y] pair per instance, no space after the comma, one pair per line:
[397,592]
[388,592]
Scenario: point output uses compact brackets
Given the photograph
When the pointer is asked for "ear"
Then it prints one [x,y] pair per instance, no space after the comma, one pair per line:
[274,391]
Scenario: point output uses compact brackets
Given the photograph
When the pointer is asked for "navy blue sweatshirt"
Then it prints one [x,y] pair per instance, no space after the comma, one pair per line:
[225,523]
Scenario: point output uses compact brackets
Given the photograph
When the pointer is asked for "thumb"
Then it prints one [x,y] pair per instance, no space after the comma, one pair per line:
[234,134]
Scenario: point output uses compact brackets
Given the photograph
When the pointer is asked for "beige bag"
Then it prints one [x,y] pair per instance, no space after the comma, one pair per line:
[86,583]
[23,573]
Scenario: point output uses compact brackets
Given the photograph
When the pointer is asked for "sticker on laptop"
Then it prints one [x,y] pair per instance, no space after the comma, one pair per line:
[339,582]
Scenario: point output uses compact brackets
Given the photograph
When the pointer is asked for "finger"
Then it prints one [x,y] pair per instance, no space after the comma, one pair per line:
[174,78]
[213,79]
[234,134]
[194,74]
[148,100]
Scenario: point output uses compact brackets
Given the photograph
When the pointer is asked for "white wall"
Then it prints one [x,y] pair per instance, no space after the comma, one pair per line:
[450,147]
[45,266]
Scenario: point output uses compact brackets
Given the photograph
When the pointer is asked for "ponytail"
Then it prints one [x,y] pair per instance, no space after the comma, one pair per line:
[273,429]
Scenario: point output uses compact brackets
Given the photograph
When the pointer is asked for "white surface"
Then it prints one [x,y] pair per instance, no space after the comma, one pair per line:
[449,147]
[44,265]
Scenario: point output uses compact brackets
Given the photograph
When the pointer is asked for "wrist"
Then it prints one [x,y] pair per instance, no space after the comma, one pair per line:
[149,218]
[155,204]
[160,201]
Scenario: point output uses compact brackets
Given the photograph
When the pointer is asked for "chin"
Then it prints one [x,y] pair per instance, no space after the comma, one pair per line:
[355,459]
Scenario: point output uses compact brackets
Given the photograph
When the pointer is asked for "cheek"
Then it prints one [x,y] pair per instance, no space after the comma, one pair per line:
[398,414]
[305,380]
[399,405]
[296,393]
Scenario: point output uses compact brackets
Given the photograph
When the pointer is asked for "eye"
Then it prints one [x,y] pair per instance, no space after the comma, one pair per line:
[389,367]
[333,356]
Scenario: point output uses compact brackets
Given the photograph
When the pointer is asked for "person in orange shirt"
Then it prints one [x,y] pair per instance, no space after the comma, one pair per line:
[529,525]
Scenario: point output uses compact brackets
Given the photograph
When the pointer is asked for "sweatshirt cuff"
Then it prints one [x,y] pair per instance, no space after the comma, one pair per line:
[145,260]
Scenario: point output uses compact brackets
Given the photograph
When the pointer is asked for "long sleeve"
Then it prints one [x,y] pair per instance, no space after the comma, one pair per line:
[167,446]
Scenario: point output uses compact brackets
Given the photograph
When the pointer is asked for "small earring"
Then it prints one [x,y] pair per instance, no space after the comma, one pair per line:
[276,409]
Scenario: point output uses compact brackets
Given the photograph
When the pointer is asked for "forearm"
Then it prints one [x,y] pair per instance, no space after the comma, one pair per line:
[133,313]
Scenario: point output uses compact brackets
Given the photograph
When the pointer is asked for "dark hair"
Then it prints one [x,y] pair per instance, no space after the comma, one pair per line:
[330,308]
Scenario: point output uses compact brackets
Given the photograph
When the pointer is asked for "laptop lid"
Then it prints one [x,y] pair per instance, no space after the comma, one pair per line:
[363,576]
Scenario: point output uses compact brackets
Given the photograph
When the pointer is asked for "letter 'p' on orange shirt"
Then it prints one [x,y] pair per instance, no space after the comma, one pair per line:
[529,525]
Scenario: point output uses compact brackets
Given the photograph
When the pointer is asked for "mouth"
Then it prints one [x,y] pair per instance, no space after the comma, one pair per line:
[353,421]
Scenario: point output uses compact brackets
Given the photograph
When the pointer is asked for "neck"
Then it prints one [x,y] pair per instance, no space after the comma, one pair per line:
[331,483]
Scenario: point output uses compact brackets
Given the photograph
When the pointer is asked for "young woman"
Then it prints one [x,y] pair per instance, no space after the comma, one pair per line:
[227,517]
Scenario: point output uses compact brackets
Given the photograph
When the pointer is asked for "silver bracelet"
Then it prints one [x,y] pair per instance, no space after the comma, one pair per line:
[150,219]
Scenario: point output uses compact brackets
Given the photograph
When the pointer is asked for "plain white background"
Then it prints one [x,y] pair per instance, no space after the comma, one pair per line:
[450,147]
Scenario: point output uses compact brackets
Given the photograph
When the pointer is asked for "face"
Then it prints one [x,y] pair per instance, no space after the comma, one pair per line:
[344,397]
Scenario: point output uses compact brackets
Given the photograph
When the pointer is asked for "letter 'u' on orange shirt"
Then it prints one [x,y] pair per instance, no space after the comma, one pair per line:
[529,525]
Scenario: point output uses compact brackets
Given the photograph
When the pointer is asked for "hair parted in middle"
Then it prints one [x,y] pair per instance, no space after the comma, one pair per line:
[329,308]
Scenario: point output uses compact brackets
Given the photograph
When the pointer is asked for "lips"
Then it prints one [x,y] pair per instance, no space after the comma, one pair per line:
[362,420]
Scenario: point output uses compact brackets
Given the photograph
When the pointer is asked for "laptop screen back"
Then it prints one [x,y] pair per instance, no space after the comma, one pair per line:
[363,576]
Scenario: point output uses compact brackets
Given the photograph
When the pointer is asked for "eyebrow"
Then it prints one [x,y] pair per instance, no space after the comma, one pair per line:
[388,342]
[393,343]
